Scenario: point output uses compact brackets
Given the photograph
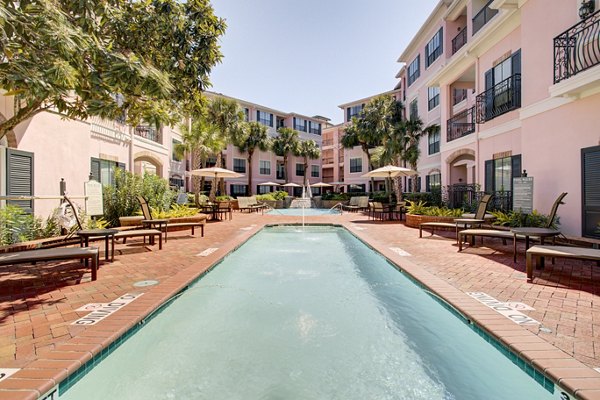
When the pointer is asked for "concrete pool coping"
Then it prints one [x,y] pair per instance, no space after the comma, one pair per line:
[41,376]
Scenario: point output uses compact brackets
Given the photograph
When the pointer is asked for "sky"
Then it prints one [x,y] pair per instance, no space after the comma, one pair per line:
[310,56]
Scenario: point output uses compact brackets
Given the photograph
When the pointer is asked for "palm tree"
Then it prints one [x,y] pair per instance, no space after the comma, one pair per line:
[412,131]
[225,116]
[307,149]
[252,136]
[201,140]
[284,144]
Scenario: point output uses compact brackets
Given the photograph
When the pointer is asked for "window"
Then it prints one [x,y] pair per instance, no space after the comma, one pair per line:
[176,181]
[355,165]
[247,114]
[314,128]
[458,95]
[264,118]
[353,111]
[238,190]
[299,169]
[211,161]
[315,171]
[239,165]
[433,181]
[433,97]
[414,70]
[262,189]
[590,191]
[299,124]
[174,155]
[409,185]
[414,110]
[499,173]
[280,122]
[433,49]
[19,177]
[502,87]
[280,173]
[103,171]
[434,141]
[264,167]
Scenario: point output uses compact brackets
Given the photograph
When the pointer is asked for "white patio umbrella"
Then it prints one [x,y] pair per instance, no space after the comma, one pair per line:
[389,171]
[321,185]
[291,184]
[216,172]
[269,184]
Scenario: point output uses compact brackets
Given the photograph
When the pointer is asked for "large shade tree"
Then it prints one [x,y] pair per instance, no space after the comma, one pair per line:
[283,145]
[307,149]
[253,136]
[148,59]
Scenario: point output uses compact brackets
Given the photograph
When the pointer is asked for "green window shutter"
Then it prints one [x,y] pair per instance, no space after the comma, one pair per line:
[19,177]
[427,184]
[95,169]
[590,187]
[489,176]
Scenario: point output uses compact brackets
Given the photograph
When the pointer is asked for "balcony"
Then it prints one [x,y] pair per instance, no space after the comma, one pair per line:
[499,99]
[327,142]
[328,161]
[458,95]
[462,124]
[483,17]
[577,49]
[459,40]
[148,132]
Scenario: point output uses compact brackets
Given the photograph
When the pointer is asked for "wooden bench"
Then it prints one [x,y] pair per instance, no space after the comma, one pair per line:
[68,253]
[536,252]
[150,233]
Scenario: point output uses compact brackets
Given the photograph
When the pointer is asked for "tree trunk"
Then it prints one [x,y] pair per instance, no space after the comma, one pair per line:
[221,180]
[285,168]
[213,186]
[249,189]
[370,168]
[305,172]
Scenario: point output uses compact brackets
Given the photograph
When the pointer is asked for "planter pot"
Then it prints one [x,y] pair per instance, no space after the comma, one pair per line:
[270,203]
[413,221]
[191,218]
[234,204]
[279,203]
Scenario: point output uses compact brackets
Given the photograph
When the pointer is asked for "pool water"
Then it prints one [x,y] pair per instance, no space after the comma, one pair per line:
[311,314]
[307,211]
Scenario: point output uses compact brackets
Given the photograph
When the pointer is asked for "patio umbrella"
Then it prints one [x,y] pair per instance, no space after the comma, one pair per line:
[389,171]
[216,172]
[321,185]
[269,184]
[291,184]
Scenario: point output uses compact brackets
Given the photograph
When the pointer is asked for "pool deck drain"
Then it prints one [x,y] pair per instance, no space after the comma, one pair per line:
[37,336]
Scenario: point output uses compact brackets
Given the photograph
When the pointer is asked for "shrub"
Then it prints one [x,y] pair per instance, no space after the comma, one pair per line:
[265,197]
[420,208]
[424,197]
[515,219]
[17,226]
[336,196]
[120,200]
[224,198]
[178,210]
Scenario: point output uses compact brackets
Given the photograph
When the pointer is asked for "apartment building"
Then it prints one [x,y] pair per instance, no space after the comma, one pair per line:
[266,165]
[515,87]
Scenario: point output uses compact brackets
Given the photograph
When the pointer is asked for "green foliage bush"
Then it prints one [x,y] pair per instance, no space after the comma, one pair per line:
[17,226]
[224,198]
[120,200]
[273,196]
[421,208]
[178,210]
[335,196]
[516,219]
[425,197]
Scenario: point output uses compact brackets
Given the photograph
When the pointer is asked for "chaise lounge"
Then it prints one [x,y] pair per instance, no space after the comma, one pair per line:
[535,253]
[148,217]
[250,204]
[357,203]
[504,235]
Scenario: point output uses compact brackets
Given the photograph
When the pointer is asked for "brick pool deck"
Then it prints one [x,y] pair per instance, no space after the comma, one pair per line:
[39,303]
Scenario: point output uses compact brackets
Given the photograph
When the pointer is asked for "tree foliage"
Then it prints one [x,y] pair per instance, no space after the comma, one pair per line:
[149,59]
[284,143]
[307,149]
[252,136]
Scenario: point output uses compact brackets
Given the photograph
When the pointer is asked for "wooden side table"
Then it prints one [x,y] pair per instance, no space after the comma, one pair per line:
[542,233]
[160,224]
[86,234]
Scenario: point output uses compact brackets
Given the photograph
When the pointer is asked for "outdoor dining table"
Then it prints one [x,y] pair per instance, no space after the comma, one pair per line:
[542,233]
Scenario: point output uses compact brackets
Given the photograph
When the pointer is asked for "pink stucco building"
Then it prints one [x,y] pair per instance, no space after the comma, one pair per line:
[514,85]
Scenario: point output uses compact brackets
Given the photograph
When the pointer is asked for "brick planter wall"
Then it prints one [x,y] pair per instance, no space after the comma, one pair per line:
[413,221]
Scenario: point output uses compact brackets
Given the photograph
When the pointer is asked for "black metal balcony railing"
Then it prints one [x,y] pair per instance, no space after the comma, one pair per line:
[577,48]
[148,132]
[458,95]
[459,40]
[483,17]
[462,124]
[467,196]
[499,99]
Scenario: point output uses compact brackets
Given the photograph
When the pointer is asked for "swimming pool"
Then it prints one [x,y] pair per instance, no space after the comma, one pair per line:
[307,211]
[317,316]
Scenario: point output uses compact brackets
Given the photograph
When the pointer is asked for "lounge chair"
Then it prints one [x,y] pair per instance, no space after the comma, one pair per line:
[42,255]
[250,204]
[536,252]
[379,211]
[357,203]
[148,217]
[477,220]
[122,234]
[504,235]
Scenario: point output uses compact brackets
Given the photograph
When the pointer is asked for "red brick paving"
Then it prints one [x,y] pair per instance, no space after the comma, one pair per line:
[38,303]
